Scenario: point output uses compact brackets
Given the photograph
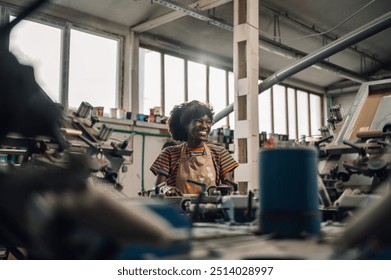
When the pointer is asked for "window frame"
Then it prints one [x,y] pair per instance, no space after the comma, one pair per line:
[65,25]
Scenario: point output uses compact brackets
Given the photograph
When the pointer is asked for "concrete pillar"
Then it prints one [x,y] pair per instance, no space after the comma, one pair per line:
[246,68]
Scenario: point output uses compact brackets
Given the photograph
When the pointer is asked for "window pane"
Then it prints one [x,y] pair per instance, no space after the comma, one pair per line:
[174,82]
[302,111]
[264,105]
[149,80]
[39,45]
[292,114]
[315,102]
[217,93]
[196,75]
[92,70]
[231,98]
[279,109]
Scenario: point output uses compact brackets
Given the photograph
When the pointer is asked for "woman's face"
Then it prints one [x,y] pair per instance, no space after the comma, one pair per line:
[198,130]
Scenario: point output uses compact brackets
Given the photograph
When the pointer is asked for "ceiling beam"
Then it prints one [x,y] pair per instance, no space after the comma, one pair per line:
[200,5]
[269,45]
[314,31]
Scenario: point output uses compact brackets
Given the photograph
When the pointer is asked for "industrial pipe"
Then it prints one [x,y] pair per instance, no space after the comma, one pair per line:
[349,39]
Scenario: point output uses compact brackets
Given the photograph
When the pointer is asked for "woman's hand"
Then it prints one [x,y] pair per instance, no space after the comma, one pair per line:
[170,191]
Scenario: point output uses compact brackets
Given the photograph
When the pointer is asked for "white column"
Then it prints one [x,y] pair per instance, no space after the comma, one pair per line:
[246,68]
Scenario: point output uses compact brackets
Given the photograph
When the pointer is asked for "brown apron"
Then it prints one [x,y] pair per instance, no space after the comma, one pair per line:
[198,168]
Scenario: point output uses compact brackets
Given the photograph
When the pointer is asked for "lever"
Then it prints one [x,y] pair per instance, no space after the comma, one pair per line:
[317,143]
[362,152]
[234,185]
[198,200]
[197,183]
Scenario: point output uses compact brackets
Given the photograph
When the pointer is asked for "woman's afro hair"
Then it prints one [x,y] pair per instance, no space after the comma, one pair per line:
[183,114]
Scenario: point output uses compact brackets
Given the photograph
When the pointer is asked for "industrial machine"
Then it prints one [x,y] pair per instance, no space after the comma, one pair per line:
[216,204]
[357,161]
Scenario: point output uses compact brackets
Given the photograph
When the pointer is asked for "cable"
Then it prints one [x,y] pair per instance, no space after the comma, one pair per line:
[320,33]
[338,25]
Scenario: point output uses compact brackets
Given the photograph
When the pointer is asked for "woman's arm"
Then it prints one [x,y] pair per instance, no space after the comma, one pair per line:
[160,178]
[226,176]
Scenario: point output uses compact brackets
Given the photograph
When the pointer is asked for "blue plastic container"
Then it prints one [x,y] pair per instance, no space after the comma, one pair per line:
[289,204]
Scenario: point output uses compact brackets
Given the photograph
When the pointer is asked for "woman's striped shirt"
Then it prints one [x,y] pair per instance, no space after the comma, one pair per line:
[168,161]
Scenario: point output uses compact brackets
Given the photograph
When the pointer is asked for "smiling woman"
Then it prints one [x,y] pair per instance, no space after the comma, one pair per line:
[194,159]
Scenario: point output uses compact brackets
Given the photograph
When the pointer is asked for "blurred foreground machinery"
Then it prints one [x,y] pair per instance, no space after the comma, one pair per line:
[49,209]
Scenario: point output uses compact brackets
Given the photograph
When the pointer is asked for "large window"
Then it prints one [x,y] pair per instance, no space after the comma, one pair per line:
[210,89]
[174,82]
[302,109]
[89,72]
[292,114]
[93,70]
[39,45]
[265,112]
[315,105]
[196,77]
[150,80]
[231,98]
[279,109]
[218,92]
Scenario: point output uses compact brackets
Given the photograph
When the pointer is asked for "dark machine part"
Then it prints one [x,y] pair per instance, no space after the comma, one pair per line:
[19,185]
[105,132]
[361,151]
[95,146]
[368,233]
[107,159]
[324,139]
[250,213]
[323,194]
[195,217]
[94,120]
[84,110]
[220,190]
[125,143]
[215,205]
[336,116]
[332,121]
[337,112]
[89,225]
[233,184]
[325,131]
[86,130]
[120,150]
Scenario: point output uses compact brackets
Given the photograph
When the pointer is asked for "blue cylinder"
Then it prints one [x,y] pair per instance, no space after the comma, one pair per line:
[289,204]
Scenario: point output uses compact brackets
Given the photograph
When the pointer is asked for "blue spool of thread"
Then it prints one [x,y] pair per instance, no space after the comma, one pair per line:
[289,205]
